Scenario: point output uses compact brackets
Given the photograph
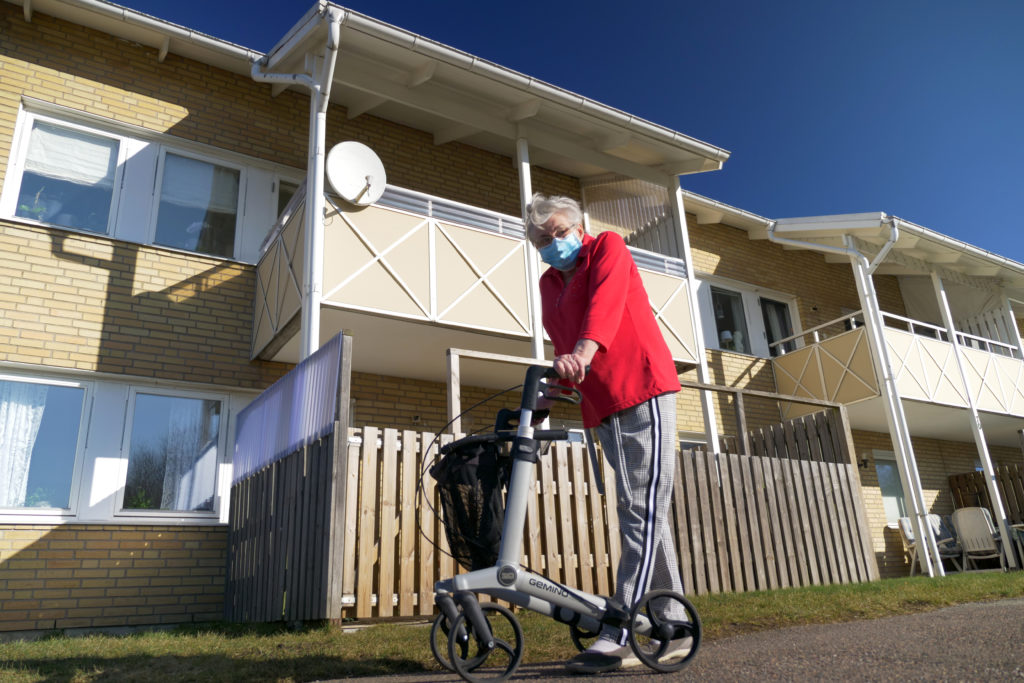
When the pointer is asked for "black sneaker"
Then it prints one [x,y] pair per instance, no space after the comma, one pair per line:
[588,662]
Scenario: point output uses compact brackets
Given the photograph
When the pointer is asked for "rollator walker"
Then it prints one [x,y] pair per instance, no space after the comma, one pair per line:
[484,641]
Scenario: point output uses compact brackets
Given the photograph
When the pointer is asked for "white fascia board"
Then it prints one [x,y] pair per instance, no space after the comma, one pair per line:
[296,42]
[830,226]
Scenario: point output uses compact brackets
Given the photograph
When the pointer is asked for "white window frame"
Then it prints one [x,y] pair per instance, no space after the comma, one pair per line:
[17,161]
[83,435]
[140,160]
[222,456]
[750,297]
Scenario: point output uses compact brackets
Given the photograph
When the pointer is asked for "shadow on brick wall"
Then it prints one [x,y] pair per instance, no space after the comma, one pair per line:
[169,315]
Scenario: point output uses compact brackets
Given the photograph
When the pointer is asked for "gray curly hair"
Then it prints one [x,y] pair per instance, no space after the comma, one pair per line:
[543,207]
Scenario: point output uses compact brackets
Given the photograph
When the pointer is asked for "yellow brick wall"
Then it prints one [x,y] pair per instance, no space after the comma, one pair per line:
[88,576]
[90,71]
[936,461]
[85,302]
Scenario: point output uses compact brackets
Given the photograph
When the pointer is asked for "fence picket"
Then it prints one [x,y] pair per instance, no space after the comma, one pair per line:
[407,526]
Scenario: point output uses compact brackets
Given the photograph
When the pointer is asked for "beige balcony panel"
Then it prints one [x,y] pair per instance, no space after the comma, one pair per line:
[278,297]
[377,259]
[670,303]
[925,369]
[837,369]
[481,280]
[996,382]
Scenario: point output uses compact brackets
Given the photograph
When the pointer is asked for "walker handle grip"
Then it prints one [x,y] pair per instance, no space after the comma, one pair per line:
[531,386]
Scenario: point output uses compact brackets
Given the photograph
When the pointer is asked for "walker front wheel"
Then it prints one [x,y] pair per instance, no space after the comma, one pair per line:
[497,654]
[664,630]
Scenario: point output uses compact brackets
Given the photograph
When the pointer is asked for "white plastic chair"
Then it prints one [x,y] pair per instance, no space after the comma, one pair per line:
[949,548]
[978,536]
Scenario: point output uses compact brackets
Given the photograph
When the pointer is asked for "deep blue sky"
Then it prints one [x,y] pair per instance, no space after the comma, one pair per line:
[912,107]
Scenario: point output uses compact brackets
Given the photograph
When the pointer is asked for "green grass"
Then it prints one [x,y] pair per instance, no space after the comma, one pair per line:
[226,652]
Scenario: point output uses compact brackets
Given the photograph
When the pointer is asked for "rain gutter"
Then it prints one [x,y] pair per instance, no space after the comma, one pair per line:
[319,85]
[169,30]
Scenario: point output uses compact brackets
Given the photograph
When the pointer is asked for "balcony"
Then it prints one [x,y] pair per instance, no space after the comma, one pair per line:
[835,364]
[414,275]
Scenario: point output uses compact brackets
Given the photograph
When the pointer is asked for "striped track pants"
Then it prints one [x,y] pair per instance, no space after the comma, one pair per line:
[640,445]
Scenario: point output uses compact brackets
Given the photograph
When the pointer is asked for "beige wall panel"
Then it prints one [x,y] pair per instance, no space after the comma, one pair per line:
[354,262]
[857,380]
[995,381]
[671,305]
[292,239]
[925,369]
[480,309]
[791,370]
[1011,380]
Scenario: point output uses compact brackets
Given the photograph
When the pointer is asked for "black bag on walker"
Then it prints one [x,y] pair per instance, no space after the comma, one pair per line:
[470,480]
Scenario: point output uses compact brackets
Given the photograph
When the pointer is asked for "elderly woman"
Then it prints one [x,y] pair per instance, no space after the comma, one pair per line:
[607,343]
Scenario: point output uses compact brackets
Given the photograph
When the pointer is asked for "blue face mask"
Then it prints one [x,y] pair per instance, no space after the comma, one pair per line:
[562,252]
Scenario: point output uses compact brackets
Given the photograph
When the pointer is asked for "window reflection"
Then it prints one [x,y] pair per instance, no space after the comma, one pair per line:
[172,459]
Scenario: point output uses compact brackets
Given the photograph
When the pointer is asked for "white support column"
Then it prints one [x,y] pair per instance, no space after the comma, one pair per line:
[532,258]
[707,405]
[976,429]
[319,98]
[897,420]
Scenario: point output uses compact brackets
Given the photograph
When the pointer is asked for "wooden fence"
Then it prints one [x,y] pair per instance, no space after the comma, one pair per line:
[284,538]
[969,490]
[788,515]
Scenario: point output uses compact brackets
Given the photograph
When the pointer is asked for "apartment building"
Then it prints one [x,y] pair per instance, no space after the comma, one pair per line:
[170,247]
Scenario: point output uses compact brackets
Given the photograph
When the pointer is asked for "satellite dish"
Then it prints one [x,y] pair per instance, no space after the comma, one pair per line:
[356,173]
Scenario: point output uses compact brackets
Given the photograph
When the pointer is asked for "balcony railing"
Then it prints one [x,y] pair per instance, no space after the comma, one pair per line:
[420,258]
[837,366]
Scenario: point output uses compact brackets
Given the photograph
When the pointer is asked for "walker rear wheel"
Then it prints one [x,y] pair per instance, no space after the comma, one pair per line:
[489,663]
[658,627]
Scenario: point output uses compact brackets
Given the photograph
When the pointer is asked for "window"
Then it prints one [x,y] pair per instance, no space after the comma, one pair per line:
[40,426]
[76,171]
[730,320]
[285,191]
[745,319]
[775,315]
[172,454]
[68,177]
[893,500]
[198,208]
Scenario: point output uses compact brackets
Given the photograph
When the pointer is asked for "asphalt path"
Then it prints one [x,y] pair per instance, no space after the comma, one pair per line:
[972,642]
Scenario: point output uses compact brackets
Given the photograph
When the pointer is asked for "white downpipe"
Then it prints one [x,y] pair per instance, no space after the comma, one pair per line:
[532,258]
[898,430]
[979,433]
[319,85]
[707,404]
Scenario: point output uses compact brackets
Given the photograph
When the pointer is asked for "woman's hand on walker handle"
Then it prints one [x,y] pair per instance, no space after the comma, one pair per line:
[573,366]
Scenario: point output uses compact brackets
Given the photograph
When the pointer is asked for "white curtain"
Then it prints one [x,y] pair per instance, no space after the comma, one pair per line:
[191,457]
[71,155]
[21,413]
[199,185]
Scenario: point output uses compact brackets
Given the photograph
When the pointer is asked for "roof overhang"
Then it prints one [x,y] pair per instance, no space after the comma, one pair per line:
[406,78]
[409,79]
[916,250]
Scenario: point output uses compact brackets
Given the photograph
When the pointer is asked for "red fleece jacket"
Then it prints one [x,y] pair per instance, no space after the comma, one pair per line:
[606,301]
